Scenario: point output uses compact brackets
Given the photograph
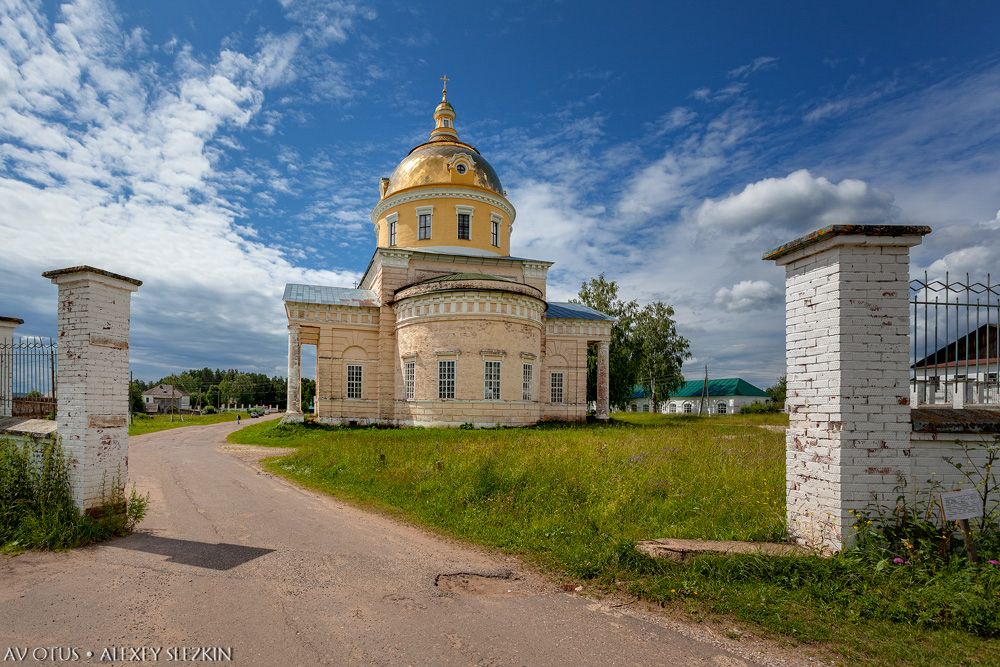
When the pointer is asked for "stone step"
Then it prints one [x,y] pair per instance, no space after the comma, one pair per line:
[679,550]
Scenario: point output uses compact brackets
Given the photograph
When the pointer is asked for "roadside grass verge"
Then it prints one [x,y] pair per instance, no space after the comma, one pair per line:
[574,499]
[142,424]
[37,510]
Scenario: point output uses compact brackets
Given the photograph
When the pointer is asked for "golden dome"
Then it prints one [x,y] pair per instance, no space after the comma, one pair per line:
[433,163]
[444,159]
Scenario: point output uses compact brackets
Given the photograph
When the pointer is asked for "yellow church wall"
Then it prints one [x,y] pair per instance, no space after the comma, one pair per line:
[470,339]
[338,347]
[444,225]
[567,355]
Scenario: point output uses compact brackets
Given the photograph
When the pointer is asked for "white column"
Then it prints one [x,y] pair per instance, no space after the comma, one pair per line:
[603,377]
[7,327]
[92,378]
[847,362]
[293,413]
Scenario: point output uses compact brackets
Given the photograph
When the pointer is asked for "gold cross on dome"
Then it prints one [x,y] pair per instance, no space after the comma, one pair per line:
[444,82]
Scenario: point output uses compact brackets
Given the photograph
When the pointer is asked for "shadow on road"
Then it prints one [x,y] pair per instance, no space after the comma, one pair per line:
[220,556]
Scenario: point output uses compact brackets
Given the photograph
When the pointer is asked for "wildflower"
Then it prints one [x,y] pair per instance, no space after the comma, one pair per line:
[994,562]
[900,561]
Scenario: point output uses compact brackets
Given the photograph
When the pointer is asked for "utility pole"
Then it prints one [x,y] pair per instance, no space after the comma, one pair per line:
[703,405]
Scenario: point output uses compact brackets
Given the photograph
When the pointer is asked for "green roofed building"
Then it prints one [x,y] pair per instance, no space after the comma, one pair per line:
[725,396]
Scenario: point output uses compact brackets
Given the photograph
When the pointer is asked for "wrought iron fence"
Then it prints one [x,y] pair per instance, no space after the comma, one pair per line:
[956,341]
[28,377]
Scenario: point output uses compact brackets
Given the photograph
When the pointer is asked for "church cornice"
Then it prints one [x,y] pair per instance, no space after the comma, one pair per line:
[456,192]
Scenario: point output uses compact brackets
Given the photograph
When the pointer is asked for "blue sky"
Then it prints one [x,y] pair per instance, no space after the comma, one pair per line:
[217,150]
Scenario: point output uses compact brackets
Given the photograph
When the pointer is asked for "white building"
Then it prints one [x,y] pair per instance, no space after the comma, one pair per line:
[966,366]
[724,396]
[166,398]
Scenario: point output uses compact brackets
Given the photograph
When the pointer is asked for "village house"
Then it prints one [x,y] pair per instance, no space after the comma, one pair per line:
[966,366]
[166,398]
[725,396]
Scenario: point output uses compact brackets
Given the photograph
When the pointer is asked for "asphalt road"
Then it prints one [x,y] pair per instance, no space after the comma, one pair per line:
[234,559]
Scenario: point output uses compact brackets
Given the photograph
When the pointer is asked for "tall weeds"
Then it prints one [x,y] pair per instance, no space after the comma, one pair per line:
[37,510]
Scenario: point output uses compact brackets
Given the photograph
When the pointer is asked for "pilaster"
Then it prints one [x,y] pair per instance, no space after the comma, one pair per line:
[847,358]
[92,378]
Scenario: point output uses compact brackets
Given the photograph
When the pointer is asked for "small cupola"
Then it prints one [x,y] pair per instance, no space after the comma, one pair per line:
[444,116]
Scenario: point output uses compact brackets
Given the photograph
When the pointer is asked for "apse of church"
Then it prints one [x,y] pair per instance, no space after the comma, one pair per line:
[446,327]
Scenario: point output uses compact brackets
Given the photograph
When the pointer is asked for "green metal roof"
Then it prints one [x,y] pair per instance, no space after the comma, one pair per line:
[720,387]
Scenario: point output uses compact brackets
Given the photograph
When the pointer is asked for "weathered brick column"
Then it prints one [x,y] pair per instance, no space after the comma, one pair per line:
[92,378]
[293,411]
[847,363]
[7,326]
[603,378]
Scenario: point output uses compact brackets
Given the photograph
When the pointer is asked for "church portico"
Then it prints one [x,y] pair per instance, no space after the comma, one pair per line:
[446,328]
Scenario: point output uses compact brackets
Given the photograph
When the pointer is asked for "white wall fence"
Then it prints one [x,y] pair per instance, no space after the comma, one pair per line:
[93,321]
[852,438]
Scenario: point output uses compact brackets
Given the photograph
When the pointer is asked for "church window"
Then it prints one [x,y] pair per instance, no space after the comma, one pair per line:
[688,408]
[491,381]
[424,226]
[445,123]
[353,381]
[464,226]
[409,369]
[461,168]
[721,409]
[495,234]
[556,388]
[673,408]
[446,379]
[392,233]
[526,382]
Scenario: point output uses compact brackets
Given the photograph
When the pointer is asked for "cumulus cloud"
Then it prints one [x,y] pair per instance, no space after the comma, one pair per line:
[798,202]
[118,166]
[748,295]
[661,186]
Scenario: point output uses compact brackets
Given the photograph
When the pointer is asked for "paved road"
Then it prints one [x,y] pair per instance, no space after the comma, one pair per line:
[231,557]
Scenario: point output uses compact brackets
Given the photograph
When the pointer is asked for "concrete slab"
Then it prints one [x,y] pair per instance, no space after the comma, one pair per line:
[679,550]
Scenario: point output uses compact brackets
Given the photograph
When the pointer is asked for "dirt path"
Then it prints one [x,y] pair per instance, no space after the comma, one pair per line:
[232,557]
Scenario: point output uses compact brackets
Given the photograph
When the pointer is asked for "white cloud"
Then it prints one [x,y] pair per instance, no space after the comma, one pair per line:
[755,65]
[326,21]
[662,186]
[796,203]
[748,295]
[116,166]
[832,108]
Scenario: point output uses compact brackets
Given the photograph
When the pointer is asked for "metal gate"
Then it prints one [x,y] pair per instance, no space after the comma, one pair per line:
[28,377]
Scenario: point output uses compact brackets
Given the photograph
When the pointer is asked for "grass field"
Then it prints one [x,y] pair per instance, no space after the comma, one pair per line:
[142,424]
[574,500]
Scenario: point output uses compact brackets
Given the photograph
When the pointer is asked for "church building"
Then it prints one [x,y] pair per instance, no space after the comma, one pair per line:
[445,327]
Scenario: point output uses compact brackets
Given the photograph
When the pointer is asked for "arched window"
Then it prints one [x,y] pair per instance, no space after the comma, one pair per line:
[721,408]
[673,408]
[688,408]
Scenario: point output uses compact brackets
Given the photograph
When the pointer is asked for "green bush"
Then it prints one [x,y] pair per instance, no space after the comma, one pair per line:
[209,410]
[761,408]
[37,510]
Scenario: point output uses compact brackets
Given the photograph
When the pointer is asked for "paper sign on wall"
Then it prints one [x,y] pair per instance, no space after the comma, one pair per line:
[960,505]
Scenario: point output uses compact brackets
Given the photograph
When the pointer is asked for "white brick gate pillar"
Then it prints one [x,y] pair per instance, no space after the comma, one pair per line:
[7,326]
[293,412]
[603,378]
[847,363]
[92,378]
